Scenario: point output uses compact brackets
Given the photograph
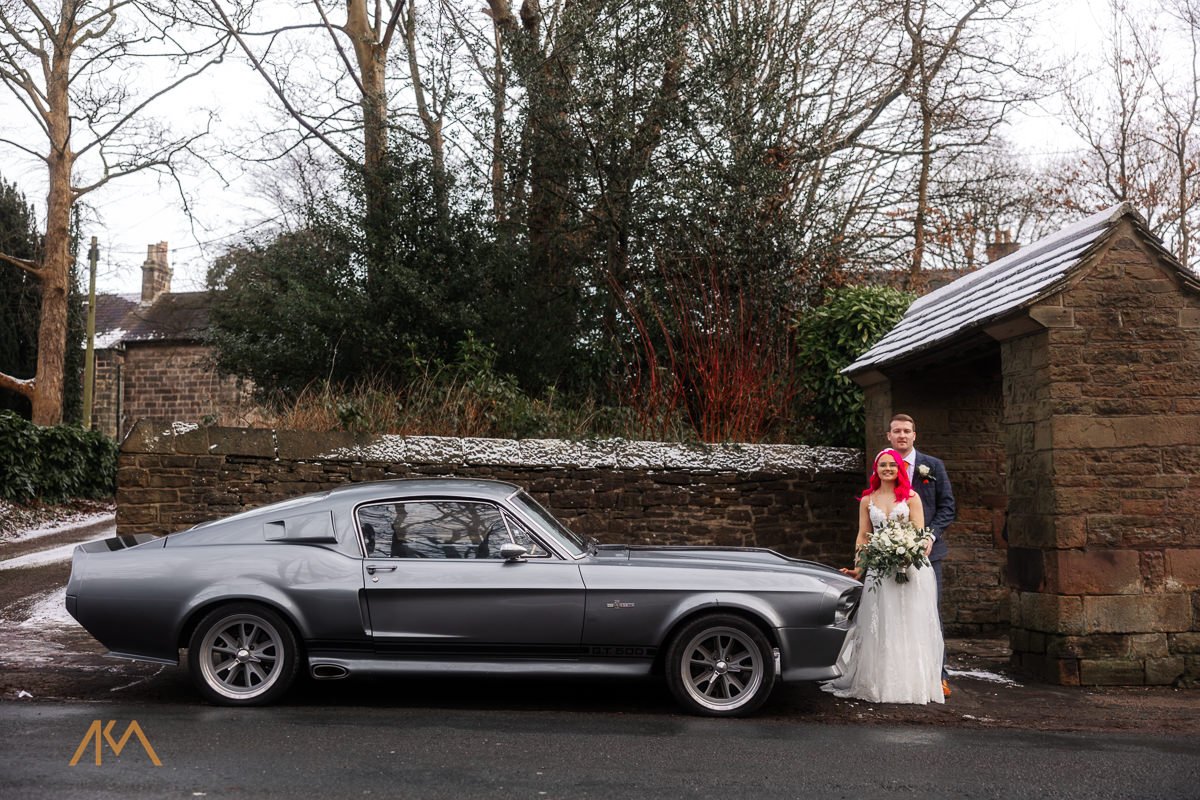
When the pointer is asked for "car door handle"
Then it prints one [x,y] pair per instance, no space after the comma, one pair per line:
[372,569]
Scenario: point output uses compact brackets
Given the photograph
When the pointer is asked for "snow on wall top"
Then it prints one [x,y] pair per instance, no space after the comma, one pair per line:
[1019,279]
[184,437]
[601,454]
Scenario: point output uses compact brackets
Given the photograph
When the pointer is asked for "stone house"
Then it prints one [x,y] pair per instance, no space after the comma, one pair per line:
[152,361]
[1061,385]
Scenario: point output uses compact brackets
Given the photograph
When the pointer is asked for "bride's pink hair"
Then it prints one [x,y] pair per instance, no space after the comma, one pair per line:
[903,483]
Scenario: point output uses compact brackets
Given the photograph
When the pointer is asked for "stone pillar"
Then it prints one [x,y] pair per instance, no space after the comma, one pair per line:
[1102,423]
[877,403]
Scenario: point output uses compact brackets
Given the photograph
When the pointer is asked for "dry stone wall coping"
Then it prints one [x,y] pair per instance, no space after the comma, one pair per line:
[188,438]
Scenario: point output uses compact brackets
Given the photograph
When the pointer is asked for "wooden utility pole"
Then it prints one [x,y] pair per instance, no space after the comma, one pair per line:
[89,359]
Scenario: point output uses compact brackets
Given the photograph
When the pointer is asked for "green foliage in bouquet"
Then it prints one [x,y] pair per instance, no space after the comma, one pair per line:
[892,548]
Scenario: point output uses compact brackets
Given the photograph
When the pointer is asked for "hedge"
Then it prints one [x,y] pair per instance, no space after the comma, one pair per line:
[55,463]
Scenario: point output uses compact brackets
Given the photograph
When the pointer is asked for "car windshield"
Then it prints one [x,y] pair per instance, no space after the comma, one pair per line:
[569,539]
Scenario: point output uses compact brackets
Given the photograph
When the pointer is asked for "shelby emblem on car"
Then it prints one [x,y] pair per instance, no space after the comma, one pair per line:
[455,576]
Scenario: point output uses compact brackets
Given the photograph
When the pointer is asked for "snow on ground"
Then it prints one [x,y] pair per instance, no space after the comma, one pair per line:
[982,675]
[54,554]
[33,633]
[77,521]
[48,610]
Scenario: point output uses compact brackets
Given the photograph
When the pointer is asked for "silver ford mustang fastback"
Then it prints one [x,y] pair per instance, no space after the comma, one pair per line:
[448,575]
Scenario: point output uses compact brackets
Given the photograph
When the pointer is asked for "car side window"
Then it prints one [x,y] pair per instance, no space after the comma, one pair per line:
[446,529]
[522,536]
[442,529]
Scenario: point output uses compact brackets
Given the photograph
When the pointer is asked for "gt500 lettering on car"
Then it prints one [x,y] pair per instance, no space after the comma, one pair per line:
[622,652]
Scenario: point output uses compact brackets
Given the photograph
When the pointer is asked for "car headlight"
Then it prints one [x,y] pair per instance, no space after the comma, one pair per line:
[847,604]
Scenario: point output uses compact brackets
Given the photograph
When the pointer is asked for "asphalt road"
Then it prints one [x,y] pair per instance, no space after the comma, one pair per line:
[521,738]
[414,752]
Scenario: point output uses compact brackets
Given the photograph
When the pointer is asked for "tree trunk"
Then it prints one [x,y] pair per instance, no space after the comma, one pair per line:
[434,138]
[1184,206]
[372,64]
[499,87]
[371,58]
[919,221]
[56,263]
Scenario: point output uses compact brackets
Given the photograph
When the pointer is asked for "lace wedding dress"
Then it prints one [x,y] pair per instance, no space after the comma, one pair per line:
[894,652]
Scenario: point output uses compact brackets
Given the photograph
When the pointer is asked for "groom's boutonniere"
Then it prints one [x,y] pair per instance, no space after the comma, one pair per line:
[923,471]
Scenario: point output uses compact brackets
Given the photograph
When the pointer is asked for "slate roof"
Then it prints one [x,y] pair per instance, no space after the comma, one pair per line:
[1020,279]
[173,317]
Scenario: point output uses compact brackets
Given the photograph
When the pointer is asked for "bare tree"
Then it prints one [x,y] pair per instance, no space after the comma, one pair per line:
[969,75]
[331,76]
[979,196]
[72,67]
[1139,122]
[1177,132]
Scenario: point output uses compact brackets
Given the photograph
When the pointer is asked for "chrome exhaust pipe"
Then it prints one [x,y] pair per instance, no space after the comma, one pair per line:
[329,672]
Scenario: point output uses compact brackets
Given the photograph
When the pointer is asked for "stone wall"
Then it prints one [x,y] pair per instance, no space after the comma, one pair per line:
[958,413]
[800,501]
[164,382]
[1103,425]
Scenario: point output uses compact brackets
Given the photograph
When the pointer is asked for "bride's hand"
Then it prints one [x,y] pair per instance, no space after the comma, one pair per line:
[853,573]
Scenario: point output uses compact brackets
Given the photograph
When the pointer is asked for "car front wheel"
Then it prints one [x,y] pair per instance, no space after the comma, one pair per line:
[243,655]
[720,665]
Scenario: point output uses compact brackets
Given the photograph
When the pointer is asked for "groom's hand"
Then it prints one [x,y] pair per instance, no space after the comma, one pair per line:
[928,548]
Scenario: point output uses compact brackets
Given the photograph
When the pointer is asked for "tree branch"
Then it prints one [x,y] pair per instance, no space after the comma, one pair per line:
[39,156]
[101,138]
[21,387]
[338,46]
[257,64]
[23,263]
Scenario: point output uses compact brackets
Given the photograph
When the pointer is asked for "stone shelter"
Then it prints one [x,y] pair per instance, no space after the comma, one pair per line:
[152,361]
[1061,386]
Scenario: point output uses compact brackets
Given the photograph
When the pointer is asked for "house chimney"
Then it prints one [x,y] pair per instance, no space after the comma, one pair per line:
[156,273]
[1001,245]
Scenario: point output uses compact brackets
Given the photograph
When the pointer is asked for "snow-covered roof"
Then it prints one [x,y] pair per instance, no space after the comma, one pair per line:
[121,319]
[1017,280]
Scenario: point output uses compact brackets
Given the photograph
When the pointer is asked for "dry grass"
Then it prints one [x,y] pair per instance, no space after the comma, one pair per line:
[446,402]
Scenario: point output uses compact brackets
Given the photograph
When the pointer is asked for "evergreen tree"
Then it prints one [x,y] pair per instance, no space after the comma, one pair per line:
[347,297]
[19,296]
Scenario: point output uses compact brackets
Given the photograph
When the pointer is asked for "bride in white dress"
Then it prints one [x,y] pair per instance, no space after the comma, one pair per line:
[894,652]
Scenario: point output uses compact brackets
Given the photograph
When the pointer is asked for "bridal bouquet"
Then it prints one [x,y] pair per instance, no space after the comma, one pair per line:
[892,548]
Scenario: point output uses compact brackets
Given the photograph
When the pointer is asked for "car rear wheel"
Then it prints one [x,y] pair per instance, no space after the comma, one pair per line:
[721,666]
[243,654]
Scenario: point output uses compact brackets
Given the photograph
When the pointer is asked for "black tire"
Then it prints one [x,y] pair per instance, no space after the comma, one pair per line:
[720,665]
[243,654]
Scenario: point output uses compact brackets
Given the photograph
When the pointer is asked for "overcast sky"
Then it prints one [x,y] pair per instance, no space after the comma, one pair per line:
[129,214]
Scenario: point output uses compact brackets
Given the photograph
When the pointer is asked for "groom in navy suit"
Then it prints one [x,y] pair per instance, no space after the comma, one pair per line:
[932,484]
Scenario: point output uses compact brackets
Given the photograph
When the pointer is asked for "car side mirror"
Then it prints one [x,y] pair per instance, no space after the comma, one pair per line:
[510,551]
